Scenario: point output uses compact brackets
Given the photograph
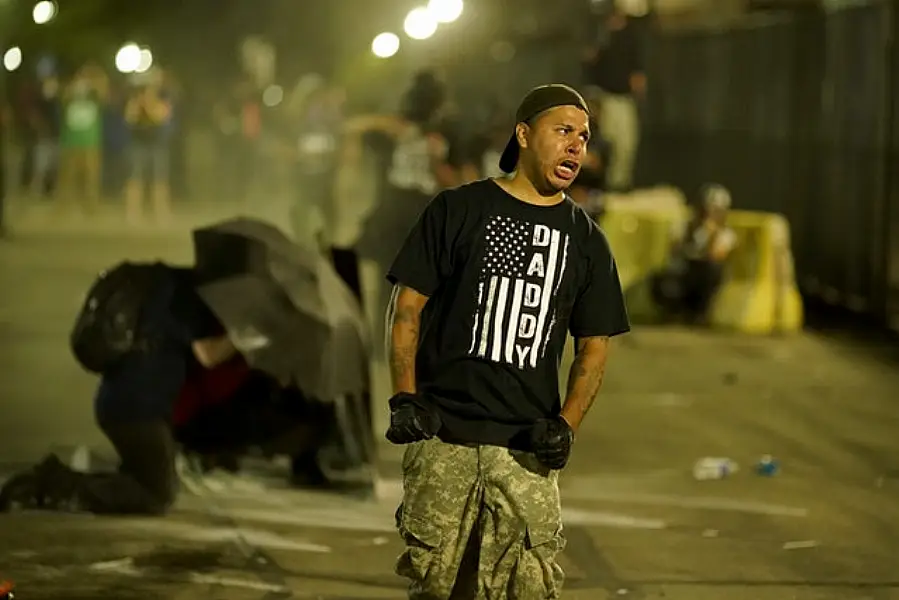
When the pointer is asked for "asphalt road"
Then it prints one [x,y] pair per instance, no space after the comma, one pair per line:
[639,526]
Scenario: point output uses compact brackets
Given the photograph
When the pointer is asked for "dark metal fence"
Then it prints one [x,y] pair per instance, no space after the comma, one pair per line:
[795,114]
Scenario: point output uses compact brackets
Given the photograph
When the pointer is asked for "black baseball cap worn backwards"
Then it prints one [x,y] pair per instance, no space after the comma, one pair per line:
[535,102]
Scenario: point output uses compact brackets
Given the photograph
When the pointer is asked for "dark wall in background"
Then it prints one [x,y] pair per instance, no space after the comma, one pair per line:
[795,114]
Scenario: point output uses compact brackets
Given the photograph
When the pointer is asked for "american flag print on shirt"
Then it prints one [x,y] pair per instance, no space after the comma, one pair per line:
[523,265]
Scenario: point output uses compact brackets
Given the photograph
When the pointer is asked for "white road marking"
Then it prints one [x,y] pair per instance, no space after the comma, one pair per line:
[800,545]
[237,583]
[572,516]
[254,537]
[125,566]
[678,501]
[122,566]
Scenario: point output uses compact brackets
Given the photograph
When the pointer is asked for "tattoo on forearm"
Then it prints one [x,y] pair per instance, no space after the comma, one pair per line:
[405,345]
[585,378]
[403,326]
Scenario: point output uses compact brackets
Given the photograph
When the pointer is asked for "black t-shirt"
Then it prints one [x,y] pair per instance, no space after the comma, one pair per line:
[507,281]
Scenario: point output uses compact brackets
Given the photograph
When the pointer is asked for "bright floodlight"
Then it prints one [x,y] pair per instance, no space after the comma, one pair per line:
[273,95]
[385,45]
[146,61]
[420,24]
[43,12]
[12,59]
[127,59]
[446,11]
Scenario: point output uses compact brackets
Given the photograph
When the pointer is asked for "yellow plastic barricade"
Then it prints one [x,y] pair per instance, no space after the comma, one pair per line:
[641,238]
[759,294]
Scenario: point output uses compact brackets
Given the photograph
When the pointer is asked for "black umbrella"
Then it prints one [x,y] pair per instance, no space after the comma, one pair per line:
[284,306]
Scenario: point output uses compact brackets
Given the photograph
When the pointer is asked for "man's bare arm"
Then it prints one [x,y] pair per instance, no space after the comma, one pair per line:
[585,378]
[388,124]
[211,352]
[404,322]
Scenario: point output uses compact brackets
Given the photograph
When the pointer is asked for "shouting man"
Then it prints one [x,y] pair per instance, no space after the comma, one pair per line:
[487,286]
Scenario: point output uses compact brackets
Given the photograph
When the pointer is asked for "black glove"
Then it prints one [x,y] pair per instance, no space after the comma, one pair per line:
[412,418]
[551,441]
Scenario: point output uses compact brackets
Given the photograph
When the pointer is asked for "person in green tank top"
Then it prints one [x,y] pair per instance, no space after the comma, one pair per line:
[81,139]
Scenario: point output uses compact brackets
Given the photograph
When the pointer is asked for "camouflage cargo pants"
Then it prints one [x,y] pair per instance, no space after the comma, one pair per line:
[479,523]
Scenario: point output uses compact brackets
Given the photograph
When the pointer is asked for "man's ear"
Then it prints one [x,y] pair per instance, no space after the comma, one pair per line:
[522,132]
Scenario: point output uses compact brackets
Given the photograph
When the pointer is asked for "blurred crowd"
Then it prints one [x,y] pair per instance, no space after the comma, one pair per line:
[84,137]
[89,135]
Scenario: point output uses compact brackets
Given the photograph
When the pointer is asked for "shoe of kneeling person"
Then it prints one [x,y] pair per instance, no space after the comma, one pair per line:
[57,485]
[20,492]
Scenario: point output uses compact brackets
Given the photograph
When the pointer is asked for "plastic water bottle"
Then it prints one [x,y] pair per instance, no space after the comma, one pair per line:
[767,466]
[713,468]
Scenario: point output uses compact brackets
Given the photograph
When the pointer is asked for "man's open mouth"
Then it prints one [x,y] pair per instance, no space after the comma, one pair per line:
[567,169]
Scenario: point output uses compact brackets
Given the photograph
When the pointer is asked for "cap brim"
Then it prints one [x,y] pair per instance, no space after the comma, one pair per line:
[509,159]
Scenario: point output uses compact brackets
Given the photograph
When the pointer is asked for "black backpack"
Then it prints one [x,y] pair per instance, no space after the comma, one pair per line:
[106,329]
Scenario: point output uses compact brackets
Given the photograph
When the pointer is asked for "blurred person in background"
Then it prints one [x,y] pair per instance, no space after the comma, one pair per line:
[41,133]
[589,187]
[688,285]
[148,114]
[223,413]
[315,130]
[116,136]
[81,139]
[487,146]
[238,119]
[419,163]
[615,69]
[419,167]
[458,154]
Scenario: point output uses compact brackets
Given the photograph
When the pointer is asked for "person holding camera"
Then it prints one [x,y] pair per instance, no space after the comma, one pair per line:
[148,114]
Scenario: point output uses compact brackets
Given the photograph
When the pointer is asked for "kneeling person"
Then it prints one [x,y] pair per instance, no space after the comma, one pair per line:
[135,398]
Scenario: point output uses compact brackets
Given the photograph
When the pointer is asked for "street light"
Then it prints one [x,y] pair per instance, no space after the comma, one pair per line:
[446,11]
[128,58]
[420,24]
[43,12]
[12,59]
[273,96]
[145,62]
[385,45]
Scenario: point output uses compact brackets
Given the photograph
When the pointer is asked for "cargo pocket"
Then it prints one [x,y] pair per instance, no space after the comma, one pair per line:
[422,538]
[541,577]
[411,455]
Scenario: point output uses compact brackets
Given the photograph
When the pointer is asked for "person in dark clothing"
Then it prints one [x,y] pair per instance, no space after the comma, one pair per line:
[314,130]
[223,412]
[133,407]
[486,147]
[238,120]
[589,187]
[46,124]
[487,287]
[419,166]
[688,285]
[615,68]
